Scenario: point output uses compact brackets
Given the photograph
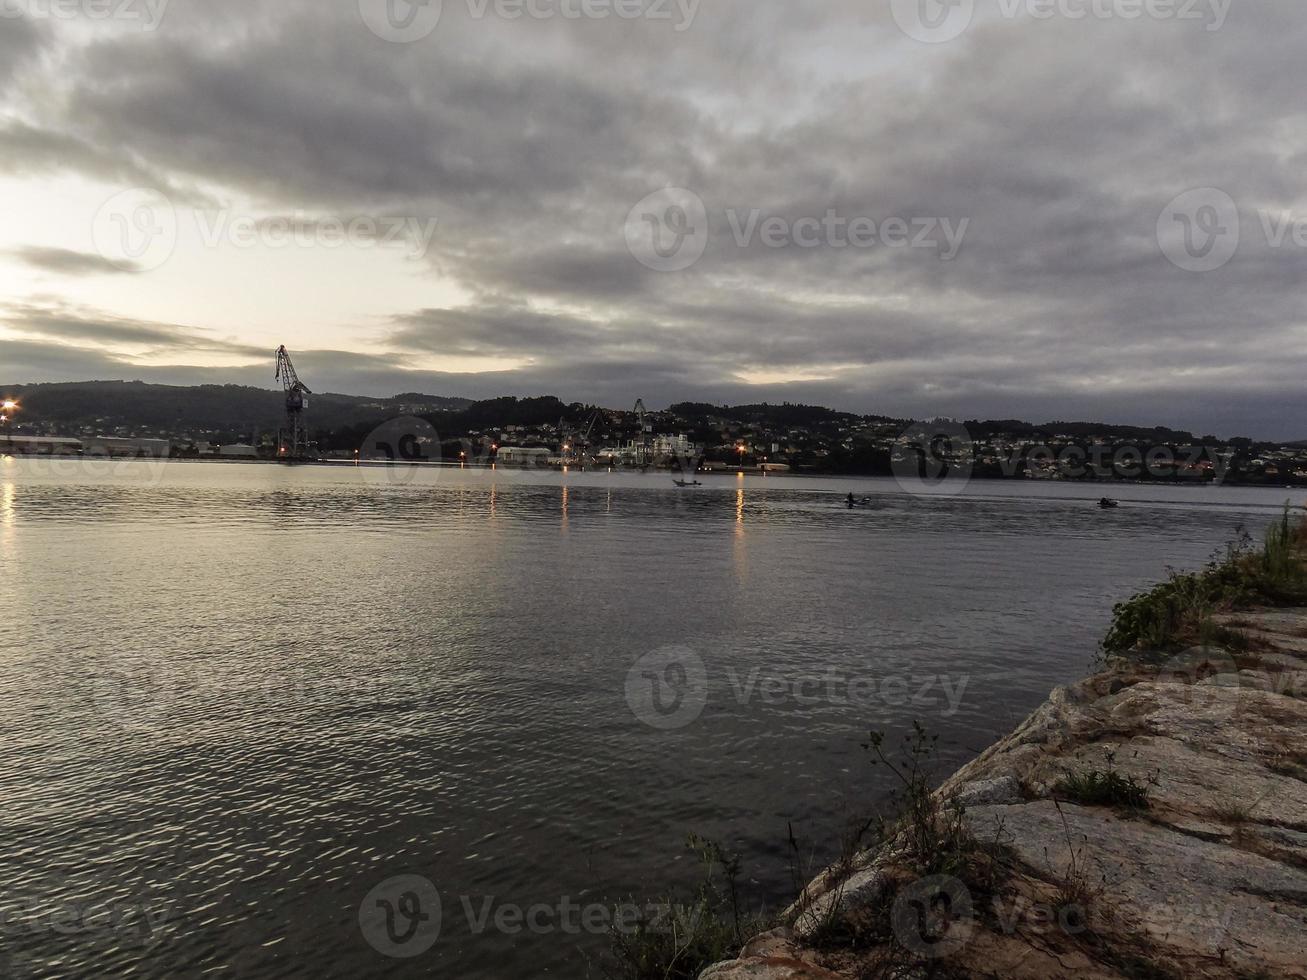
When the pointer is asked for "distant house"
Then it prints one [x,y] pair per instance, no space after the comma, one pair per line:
[39,445]
[119,447]
[520,456]
[672,445]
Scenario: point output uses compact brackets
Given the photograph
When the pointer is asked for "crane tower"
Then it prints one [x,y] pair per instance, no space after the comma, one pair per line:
[643,449]
[293,439]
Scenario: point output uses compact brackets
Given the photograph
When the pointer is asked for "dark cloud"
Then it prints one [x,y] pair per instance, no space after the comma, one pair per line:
[58,323]
[69,263]
[20,41]
[1059,142]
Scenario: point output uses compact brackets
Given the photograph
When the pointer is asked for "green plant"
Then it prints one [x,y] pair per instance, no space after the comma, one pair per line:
[1075,891]
[1234,814]
[934,834]
[685,937]
[1181,611]
[1103,787]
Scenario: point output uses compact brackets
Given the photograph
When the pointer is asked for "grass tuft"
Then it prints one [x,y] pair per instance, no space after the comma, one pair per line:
[1181,612]
[687,935]
[1103,787]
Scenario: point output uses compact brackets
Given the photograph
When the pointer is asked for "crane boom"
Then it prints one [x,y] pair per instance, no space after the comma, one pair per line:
[293,440]
[642,443]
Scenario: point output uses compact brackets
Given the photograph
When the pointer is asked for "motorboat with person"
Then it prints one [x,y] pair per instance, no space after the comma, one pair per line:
[683,484]
[858,501]
[1107,503]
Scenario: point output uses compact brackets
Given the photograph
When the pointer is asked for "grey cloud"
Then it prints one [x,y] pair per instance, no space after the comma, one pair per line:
[20,41]
[68,262]
[62,324]
[1060,142]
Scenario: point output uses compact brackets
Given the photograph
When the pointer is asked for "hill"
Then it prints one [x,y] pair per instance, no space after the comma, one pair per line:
[83,406]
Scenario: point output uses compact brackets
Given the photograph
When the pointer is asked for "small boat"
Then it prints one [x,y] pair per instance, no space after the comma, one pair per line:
[858,502]
[683,484]
[1107,503]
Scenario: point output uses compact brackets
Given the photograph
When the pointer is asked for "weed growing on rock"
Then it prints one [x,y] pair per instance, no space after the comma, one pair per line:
[688,935]
[934,835]
[1181,611]
[1102,787]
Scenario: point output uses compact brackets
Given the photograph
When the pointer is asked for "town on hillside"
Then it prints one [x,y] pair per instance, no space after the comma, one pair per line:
[235,423]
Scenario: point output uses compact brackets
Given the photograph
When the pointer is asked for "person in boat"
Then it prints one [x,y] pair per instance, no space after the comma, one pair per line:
[852,501]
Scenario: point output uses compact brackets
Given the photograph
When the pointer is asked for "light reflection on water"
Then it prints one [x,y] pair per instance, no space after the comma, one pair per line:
[241,696]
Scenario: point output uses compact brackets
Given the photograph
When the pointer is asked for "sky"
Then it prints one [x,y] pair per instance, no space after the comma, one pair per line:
[1038,209]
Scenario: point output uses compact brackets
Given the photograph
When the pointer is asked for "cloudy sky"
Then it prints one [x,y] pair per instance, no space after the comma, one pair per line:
[1004,208]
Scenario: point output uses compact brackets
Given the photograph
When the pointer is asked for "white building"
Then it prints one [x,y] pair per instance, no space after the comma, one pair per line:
[108,446]
[39,445]
[677,445]
[519,456]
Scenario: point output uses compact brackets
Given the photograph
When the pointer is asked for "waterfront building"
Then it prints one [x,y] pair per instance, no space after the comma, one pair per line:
[524,456]
[40,446]
[116,447]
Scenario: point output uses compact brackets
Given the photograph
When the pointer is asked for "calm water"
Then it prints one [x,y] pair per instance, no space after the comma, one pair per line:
[236,699]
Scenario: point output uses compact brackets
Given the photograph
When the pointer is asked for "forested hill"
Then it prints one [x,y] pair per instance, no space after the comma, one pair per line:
[84,405]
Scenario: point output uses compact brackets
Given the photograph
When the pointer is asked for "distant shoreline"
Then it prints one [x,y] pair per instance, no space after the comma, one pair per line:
[732,473]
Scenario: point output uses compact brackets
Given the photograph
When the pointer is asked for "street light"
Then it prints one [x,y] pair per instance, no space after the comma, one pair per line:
[9,407]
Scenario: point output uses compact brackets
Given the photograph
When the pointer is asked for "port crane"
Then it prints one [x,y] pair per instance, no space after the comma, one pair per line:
[576,444]
[643,450]
[293,439]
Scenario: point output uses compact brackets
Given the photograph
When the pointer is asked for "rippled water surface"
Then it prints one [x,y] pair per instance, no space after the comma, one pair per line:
[237,698]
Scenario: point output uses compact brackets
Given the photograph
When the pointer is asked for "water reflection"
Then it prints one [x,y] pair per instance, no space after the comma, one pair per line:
[740,550]
[387,689]
[8,510]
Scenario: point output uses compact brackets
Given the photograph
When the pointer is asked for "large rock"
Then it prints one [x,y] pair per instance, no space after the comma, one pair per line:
[1192,899]
[1210,881]
[860,890]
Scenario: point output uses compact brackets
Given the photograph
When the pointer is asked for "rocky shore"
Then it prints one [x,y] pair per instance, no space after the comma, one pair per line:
[1148,822]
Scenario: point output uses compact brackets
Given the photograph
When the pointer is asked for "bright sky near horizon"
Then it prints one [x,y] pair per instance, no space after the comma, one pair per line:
[994,208]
